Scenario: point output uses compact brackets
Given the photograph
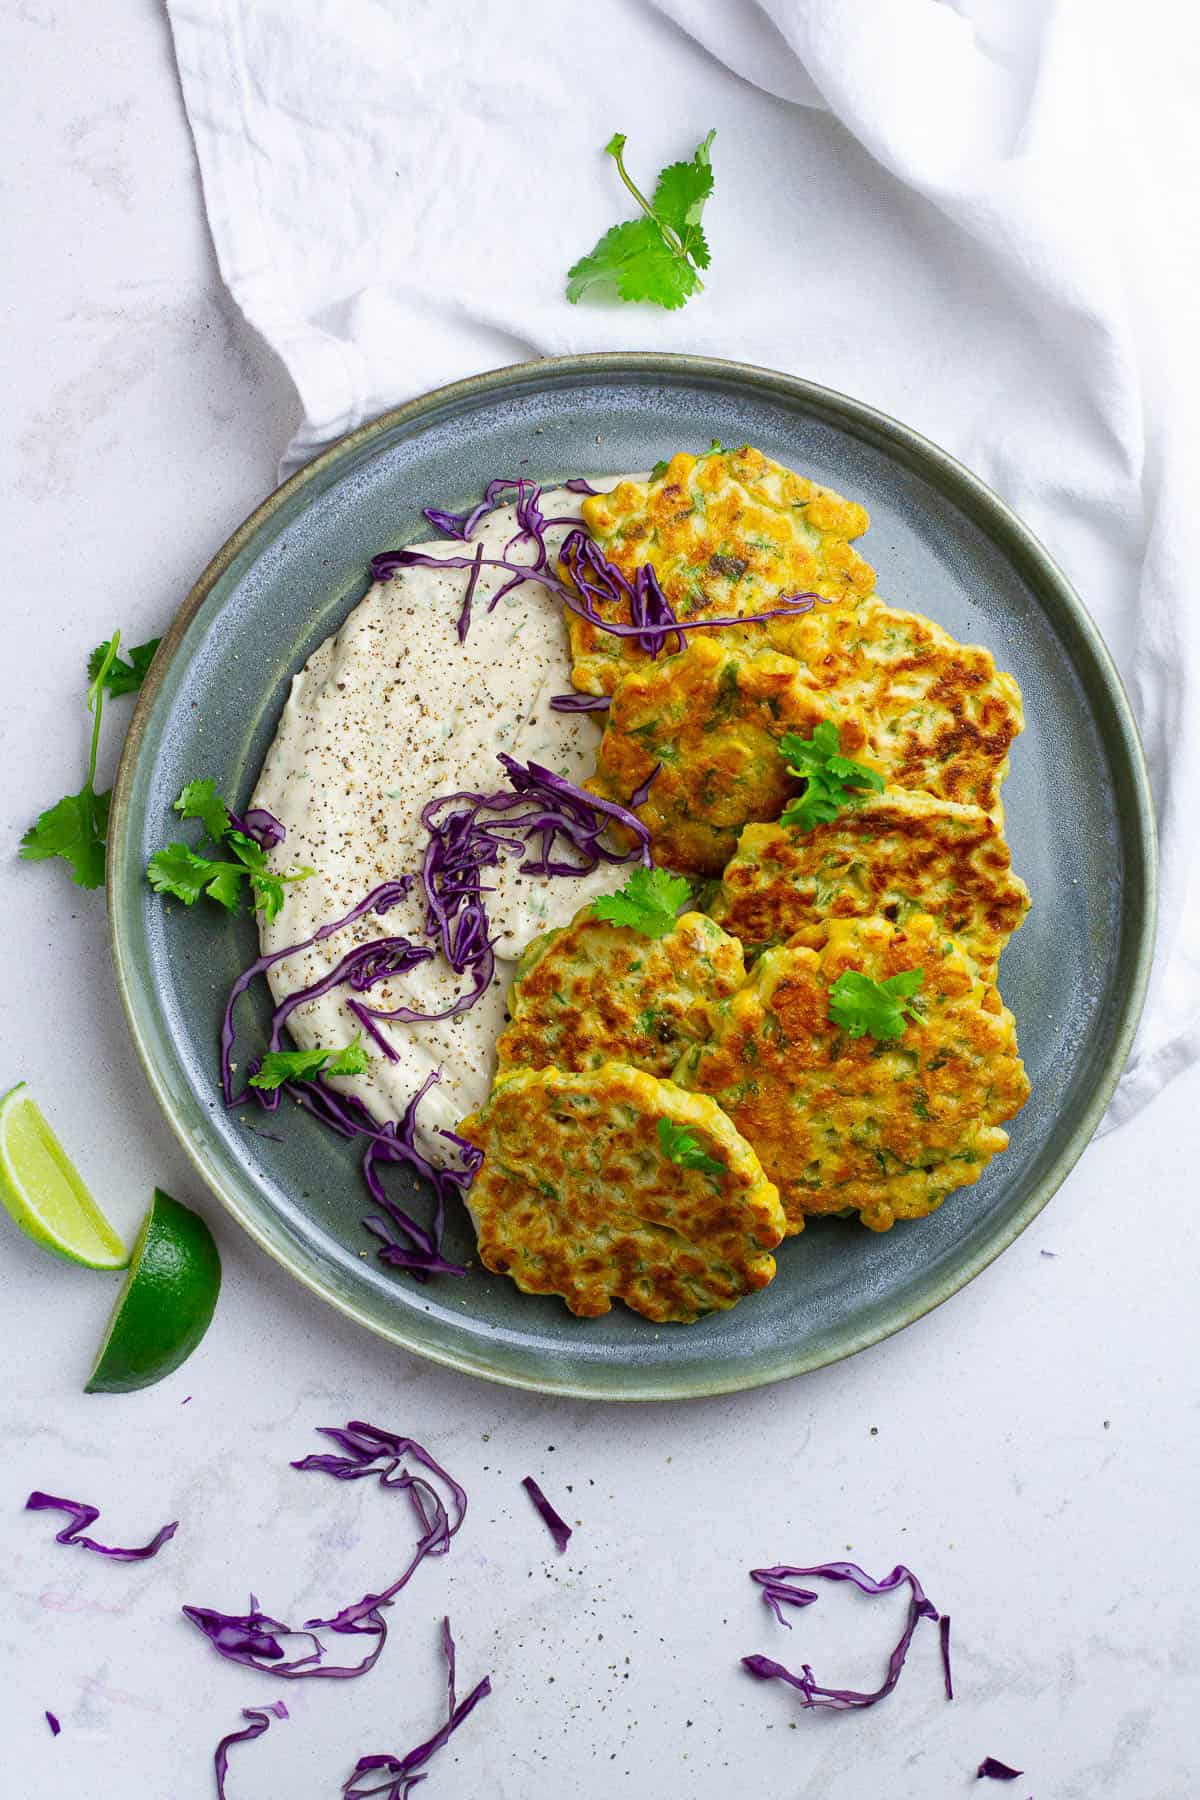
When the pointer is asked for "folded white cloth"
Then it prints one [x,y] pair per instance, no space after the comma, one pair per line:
[946,211]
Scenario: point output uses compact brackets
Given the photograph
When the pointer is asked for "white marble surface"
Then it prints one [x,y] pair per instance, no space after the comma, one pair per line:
[1030,1448]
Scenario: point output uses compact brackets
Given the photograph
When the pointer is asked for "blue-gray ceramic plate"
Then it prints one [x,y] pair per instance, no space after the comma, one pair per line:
[1078,813]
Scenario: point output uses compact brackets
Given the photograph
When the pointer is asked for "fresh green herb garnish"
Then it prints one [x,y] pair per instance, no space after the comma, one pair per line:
[122,677]
[680,1146]
[200,800]
[76,826]
[656,257]
[279,1066]
[266,887]
[860,1005]
[649,902]
[186,873]
[831,777]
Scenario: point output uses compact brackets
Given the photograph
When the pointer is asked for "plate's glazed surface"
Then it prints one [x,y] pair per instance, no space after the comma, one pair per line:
[1078,819]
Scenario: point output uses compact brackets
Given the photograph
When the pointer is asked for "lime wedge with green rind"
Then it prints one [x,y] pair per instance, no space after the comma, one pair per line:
[44,1192]
[165,1303]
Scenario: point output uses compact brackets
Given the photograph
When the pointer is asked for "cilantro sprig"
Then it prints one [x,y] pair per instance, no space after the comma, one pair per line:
[75,828]
[860,1005]
[186,872]
[831,777]
[657,257]
[649,902]
[121,676]
[279,1066]
[681,1146]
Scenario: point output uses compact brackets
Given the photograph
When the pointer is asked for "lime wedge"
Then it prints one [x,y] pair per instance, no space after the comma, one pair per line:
[43,1190]
[165,1303]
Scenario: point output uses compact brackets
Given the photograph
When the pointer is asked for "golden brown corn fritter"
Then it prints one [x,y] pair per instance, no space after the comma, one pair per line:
[577,1197]
[889,1127]
[594,993]
[727,533]
[893,854]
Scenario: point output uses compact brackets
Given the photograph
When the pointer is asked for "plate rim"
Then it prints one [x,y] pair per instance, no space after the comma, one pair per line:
[951,476]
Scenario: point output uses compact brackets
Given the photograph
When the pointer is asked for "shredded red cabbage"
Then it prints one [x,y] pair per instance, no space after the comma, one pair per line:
[599,582]
[594,581]
[83,1515]
[379,900]
[464,614]
[540,817]
[418,1249]
[555,1524]
[944,1640]
[464,525]
[401,1772]
[577,485]
[253,1638]
[778,1592]
[531,530]
[574,703]
[52,1722]
[360,969]
[260,1720]
[990,1769]
[262,827]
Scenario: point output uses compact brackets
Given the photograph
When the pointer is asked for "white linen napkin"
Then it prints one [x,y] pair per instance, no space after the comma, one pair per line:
[948,211]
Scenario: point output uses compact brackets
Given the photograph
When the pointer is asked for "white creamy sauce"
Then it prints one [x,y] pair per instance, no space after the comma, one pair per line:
[386,715]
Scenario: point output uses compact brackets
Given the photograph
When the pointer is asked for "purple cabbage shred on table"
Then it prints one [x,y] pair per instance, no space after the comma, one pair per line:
[402,1773]
[260,1719]
[992,1769]
[779,1590]
[82,1515]
[255,1639]
[555,1524]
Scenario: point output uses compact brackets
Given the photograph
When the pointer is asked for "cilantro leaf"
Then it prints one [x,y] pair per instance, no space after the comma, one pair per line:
[184,873]
[656,257]
[279,1066]
[860,1005]
[829,776]
[200,800]
[635,258]
[679,198]
[648,270]
[649,902]
[75,827]
[680,1146]
[123,677]
[266,886]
